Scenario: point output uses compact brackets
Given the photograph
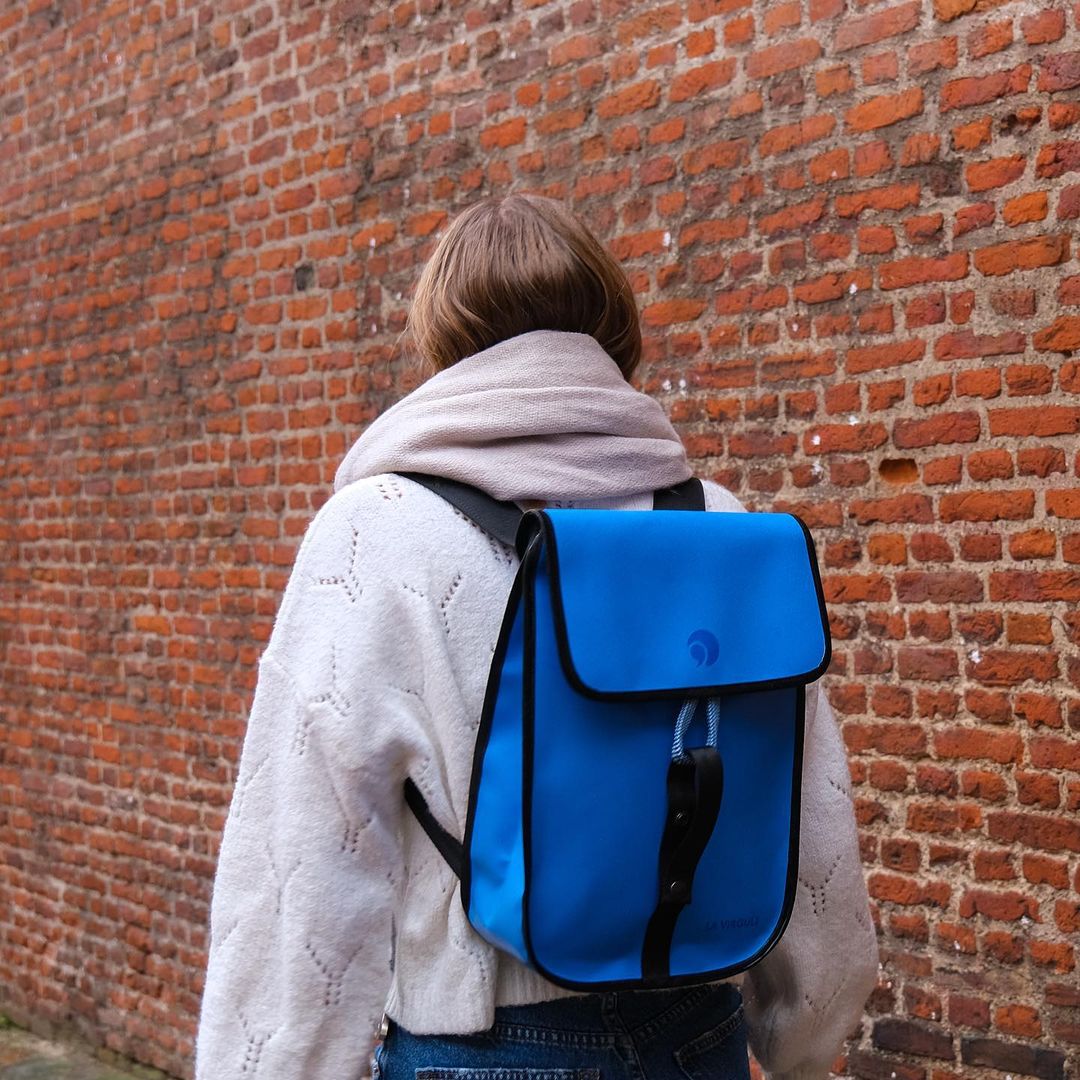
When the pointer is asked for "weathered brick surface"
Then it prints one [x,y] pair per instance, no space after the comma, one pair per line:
[850,228]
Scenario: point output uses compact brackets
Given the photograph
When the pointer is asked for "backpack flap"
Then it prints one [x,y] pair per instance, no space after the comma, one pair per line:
[750,614]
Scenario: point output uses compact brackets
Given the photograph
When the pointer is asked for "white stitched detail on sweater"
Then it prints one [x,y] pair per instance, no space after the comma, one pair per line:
[862,917]
[348,582]
[448,598]
[843,786]
[280,880]
[253,1049]
[442,605]
[350,837]
[304,719]
[334,697]
[334,979]
[818,892]
[389,489]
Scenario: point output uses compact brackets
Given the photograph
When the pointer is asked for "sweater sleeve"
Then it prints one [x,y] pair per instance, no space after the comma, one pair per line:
[807,995]
[310,865]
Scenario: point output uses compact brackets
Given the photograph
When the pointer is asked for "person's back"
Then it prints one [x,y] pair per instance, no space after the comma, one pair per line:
[331,905]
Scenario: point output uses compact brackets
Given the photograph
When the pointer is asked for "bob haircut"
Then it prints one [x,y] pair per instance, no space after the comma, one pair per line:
[513,263]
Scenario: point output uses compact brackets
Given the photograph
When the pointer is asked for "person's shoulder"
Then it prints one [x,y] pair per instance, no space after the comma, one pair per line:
[389,517]
[717,497]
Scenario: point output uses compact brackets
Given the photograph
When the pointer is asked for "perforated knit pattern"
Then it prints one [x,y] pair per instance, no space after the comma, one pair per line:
[376,670]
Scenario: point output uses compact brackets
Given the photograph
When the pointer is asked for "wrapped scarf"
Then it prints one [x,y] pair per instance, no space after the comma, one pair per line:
[545,415]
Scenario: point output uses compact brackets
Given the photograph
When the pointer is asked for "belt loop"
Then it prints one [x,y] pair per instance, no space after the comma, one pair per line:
[609,1008]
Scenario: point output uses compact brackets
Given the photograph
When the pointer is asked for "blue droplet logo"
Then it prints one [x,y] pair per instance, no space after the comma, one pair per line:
[704,648]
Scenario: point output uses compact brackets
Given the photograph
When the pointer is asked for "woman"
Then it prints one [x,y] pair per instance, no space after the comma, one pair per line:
[330,904]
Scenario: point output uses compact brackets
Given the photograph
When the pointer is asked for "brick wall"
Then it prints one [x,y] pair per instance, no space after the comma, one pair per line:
[851,227]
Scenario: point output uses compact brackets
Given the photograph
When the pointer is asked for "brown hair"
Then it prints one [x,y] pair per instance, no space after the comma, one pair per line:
[513,263]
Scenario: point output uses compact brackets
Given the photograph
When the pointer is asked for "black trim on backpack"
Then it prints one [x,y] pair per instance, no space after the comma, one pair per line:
[487,712]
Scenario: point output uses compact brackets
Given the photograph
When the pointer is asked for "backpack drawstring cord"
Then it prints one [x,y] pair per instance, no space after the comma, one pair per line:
[682,725]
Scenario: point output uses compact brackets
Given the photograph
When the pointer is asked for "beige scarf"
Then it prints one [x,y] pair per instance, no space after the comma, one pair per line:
[545,415]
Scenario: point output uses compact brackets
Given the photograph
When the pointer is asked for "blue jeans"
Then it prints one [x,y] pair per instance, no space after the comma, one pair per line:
[694,1033]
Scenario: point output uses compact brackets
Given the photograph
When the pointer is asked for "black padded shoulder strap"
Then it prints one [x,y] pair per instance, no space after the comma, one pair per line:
[689,495]
[501,519]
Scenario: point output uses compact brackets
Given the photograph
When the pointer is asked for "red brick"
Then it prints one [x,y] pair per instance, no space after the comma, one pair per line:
[1018,303]
[704,79]
[965,345]
[973,744]
[631,99]
[919,271]
[978,90]
[1060,72]
[1025,208]
[784,57]
[1042,831]
[1006,906]
[946,470]
[973,134]
[868,29]
[990,38]
[1043,870]
[1022,255]
[990,465]
[833,80]
[993,866]
[926,56]
[939,588]
[1035,421]
[935,430]
[997,172]
[792,136]
[987,506]
[1044,27]
[883,111]
[970,218]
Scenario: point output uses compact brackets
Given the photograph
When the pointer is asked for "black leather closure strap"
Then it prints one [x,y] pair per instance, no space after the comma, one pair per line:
[695,785]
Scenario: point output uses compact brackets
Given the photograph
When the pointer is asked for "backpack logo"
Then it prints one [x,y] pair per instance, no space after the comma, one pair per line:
[704,648]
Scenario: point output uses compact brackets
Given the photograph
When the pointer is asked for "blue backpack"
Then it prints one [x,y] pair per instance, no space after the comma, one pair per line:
[633,815]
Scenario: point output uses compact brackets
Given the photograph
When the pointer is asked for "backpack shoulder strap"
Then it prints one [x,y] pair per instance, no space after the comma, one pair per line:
[689,495]
[449,847]
[498,518]
[501,519]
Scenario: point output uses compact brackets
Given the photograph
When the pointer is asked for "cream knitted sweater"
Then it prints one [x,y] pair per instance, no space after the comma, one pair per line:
[330,904]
